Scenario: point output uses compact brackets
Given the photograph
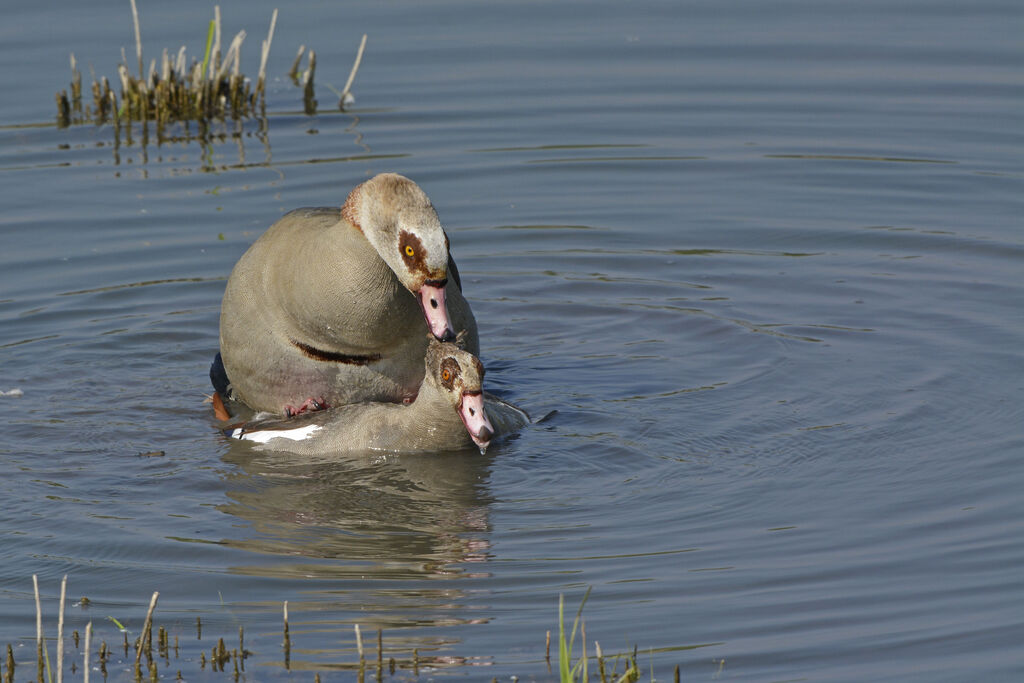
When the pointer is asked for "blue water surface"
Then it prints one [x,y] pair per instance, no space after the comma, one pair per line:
[763,260]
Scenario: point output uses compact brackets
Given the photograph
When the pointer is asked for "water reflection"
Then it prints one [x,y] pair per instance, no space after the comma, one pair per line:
[231,146]
[389,533]
[351,517]
[189,147]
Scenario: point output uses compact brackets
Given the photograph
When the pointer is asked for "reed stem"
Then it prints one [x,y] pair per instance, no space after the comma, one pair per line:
[146,637]
[352,75]
[40,665]
[60,630]
[138,36]
[85,655]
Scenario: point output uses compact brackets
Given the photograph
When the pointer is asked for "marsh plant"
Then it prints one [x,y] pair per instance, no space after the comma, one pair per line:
[571,673]
[177,89]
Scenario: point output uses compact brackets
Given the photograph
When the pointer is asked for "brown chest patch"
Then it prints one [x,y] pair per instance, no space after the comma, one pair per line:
[348,209]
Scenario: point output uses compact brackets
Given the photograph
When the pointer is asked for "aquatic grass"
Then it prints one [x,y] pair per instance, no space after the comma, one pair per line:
[571,673]
[566,671]
[176,90]
[144,665]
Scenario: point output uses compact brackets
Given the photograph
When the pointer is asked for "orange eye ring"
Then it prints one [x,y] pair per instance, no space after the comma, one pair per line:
[446,374]
[409,251]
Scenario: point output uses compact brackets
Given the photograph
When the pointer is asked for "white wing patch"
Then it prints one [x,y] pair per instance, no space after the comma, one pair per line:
[265,435]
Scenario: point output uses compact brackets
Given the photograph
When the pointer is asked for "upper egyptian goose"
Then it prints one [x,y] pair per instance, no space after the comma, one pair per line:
[330,306]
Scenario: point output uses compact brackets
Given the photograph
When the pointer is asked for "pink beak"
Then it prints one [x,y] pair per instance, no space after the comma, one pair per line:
[435,309]
[471,410]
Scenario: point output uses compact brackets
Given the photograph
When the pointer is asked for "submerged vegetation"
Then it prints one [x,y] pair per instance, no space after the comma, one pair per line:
[176,89]
[149,653]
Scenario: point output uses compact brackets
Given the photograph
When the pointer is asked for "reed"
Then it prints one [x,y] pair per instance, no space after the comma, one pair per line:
[9,673]
[85,654]
[359,648]
[104,654]
[308,95]
[346,97]
[380,654]
[42,655]
[138,35]
[287,639]
[146,638]
[60,630]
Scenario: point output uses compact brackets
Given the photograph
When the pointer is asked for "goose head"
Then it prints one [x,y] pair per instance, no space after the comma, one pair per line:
[459,376]
[397,218]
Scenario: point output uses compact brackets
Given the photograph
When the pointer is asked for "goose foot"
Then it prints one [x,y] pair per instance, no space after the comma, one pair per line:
[310,405]
[220,411]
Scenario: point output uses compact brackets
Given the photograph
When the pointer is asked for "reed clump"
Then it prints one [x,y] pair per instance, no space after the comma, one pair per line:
[176,88]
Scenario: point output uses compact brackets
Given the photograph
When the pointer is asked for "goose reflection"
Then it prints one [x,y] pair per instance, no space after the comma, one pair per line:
[366,516]
[391,542]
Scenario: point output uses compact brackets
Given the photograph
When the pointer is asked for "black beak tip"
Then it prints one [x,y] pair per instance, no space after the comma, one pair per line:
[448,336]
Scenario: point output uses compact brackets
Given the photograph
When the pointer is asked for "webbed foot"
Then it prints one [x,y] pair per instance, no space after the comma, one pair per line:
[220,411]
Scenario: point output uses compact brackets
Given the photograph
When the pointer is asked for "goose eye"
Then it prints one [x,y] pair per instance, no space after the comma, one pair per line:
[409,251]
[449,373]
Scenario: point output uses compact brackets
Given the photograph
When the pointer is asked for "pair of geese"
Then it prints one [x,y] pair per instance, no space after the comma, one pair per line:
[355,319]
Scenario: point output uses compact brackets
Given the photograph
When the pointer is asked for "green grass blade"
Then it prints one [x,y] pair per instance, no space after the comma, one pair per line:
[209,46]
[46,656]
[583,649]
[567,672]
[563,651]
[576,622]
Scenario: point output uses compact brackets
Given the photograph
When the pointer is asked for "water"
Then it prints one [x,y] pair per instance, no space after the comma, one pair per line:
[764,260]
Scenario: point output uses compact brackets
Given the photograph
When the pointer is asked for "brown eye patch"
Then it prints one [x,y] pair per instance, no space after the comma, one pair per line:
[450,372]
[412,251]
